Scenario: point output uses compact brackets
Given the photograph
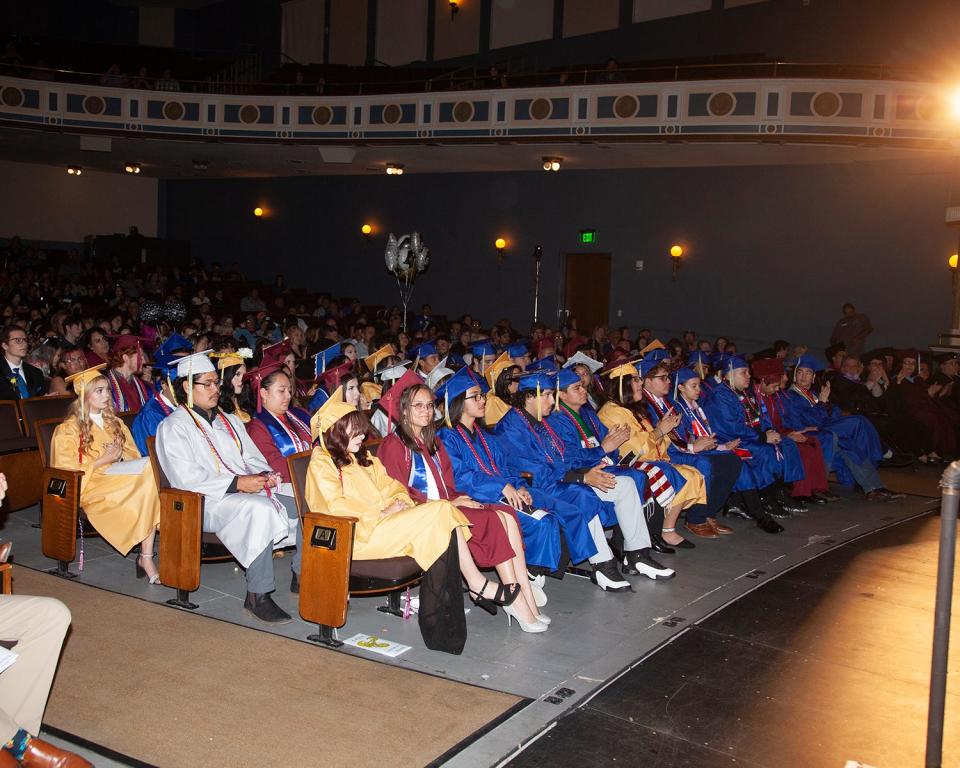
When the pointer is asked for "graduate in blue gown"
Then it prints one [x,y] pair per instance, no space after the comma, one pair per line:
[772,461]
[326,358]
[160,405]
[479,468]
[535,447]
[857,444]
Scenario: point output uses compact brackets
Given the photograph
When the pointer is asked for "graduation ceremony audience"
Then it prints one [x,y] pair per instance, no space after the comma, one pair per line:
[473,450]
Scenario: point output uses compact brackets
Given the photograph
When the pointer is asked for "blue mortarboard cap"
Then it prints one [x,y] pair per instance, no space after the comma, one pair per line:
[518,350]
[424,350]
[685,374]
[699,358]
[459,383]
[808,361]
[733,362]
[165,363]
[717,359]
[537,379]
[646,365]
[455,361]
[483,348]
[175,343]
[327,356]
[566,377]
[657,355]
[548,364]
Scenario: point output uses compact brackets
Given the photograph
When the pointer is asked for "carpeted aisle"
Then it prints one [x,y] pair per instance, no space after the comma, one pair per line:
[175,689]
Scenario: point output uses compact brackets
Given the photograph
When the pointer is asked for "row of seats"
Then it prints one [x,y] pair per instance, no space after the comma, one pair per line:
[329,575]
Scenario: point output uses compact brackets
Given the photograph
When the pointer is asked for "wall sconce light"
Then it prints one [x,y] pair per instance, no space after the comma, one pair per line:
[454,9]
[500,244]
[676,256]
[394,169]
[132,168]
[74,170]
[551,163]
[367,231]
[258,212]
[952,261]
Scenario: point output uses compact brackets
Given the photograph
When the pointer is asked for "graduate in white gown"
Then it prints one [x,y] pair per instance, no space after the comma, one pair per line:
[205,450]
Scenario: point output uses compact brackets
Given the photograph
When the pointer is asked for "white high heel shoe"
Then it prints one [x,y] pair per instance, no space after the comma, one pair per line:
[534,627]
[543,619]
[536,586]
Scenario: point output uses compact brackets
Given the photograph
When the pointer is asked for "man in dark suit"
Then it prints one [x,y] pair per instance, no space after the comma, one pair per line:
[18,380]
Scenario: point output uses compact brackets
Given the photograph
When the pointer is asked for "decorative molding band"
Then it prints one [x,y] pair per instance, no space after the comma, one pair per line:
[878,111]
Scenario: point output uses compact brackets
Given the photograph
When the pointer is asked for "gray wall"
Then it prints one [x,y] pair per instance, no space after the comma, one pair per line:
[772,251]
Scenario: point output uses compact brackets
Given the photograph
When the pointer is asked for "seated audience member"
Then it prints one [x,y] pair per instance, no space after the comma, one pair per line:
[532,445]
[675,487]
[769,461]
[484,356]
[18,379]
[95,346]
[589,444]
[415,457]
[425,358]
[232,367]
[45,357]
[71,361]
[277,428]
[519,354]
[345,480]
[857,444]
[205,450]
[720,468]
[393,369]
[768,393]
[502,378]
[129,391]
[124,509]
[586,368]
[159,406]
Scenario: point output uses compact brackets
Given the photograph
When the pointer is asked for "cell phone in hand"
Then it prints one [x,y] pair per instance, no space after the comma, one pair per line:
[627,460]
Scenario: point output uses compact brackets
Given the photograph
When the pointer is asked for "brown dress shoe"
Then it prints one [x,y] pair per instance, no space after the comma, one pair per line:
[724,530]
[42,754]
[703,530]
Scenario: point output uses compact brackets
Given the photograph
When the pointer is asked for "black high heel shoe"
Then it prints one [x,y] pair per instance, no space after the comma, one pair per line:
[505,595]
[657,544]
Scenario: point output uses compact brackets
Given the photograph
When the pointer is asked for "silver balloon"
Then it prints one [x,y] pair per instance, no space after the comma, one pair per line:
[415,243]
[403,262]
[390,255]
[422,259]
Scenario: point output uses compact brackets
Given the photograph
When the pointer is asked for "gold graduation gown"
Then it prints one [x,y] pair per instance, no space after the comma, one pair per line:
[496,410]
[124,509]
[421,531]
[644,444]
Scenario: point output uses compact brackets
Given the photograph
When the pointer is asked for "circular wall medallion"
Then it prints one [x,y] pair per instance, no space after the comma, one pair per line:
[721,104]
[249,113]
[540,109]
[173,110]
[626,106]
[12,97]
[94,105]
[826,104]
[463,111]
[392,114]
[322,115]
[670,129]
[770,128]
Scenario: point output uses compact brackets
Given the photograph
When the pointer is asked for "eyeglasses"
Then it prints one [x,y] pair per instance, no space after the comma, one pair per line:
[421,406]
[661,376]
[215,383]
[479,397]
[17,340]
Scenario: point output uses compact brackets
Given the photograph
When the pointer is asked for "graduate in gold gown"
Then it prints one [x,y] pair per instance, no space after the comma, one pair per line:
[502,376]
[344,480]
[648,443]
[232,366]
[124,509]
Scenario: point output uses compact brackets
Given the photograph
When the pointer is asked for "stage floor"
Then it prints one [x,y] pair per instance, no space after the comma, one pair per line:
[594,637]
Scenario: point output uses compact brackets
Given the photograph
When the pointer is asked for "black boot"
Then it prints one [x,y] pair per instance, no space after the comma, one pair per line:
[294,583]
[758,512]
[638,561]
[261,606]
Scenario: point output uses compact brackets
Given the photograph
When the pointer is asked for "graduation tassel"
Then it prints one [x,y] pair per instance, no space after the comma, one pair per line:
[620,385]
[446,407]
[676,383]
[190,386]
[539,409]
[173,393]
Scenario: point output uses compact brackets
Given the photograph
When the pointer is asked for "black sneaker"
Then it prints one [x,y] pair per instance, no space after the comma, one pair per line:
[638,561]
[607,576]
[262,607]
[735,510]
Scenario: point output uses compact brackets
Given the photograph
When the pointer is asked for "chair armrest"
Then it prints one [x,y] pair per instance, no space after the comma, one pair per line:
[181,531]
[6,571]
[59,511]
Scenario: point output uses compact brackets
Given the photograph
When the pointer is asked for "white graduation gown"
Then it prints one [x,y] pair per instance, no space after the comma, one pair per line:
[246,523]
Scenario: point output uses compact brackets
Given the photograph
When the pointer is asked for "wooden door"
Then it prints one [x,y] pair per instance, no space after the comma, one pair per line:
[587,289]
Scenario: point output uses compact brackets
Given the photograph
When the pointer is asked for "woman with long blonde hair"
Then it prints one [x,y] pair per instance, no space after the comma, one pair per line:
[123,508]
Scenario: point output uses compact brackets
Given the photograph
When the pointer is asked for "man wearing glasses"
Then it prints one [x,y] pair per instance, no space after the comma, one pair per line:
[18,380]
[203,449]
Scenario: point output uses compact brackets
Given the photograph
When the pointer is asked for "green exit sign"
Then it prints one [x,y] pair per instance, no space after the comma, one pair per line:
[588,236]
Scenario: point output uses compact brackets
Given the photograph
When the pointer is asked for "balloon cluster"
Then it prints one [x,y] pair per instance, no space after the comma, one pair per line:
[150,312]
[406,254]
[173,311]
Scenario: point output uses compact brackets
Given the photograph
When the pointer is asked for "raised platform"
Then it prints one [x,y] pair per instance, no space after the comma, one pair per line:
[594,635]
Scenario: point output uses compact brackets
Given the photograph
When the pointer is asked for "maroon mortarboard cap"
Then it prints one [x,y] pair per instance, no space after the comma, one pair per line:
[543,345]
[331,379]
[258,374]
[129,341]
[390,401]
[767,369]
[613,359]
[275,352]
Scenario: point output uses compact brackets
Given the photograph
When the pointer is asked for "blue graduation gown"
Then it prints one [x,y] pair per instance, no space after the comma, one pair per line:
[855,435]
[318,399]
[699,461]
[147,420]
[766,466]
[532,450]
[541,538]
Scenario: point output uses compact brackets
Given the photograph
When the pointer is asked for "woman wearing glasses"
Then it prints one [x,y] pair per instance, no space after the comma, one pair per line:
[71,361]
[416,458]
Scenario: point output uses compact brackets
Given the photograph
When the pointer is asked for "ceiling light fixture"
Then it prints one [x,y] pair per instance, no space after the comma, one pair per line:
[132,167]
[201,165]
[74,170]
[394,169]
[551,163]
